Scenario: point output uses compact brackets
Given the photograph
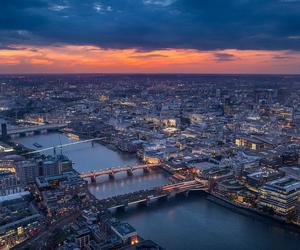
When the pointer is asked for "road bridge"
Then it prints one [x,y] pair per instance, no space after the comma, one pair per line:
[112,171]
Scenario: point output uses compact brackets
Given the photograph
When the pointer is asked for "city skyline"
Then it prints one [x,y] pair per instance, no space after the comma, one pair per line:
[149,124]
[112,161]
[162,36]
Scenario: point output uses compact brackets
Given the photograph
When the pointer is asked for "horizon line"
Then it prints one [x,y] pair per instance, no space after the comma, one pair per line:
[150,73]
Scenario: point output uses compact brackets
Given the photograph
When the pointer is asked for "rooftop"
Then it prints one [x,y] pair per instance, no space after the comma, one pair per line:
[123,228]
[285,183]
[15,196]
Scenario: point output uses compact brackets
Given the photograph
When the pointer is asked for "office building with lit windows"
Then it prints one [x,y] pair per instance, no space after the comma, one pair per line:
[253,143]
[281,195]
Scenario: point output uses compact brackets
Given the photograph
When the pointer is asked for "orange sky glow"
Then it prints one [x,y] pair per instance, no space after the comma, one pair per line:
[90,59]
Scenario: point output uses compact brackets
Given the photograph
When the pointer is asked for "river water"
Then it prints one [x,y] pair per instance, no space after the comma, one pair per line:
[87,157]
[192,223]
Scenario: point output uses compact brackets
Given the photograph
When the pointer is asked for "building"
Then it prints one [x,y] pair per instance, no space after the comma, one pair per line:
[144,245]
[64,164]
[82,237]
[293,171]
[126,232]
[280,195]
[27,171]
[152,157]
[253,143]
[257,177]
[62,193]
[54,165]
[9,183]
[18,220]
[7,165]
[50,182]
[3,130]
[48,168]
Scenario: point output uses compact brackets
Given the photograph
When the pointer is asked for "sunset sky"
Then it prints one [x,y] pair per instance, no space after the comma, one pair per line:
[150,36]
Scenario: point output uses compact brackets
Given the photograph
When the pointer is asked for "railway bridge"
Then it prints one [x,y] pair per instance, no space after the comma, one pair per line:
[27,131]
[145,197]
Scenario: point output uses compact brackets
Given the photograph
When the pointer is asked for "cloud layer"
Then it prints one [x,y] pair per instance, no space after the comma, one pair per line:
[91,59]
[147,25]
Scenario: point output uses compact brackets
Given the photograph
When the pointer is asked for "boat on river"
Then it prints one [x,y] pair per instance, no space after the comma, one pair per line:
[37,145]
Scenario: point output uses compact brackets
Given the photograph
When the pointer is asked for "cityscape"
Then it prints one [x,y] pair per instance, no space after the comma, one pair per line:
[149,125]
[144,141]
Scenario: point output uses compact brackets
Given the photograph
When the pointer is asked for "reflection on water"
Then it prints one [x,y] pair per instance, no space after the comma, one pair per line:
[187,223]
[195,223]
[124,184]
[88,157]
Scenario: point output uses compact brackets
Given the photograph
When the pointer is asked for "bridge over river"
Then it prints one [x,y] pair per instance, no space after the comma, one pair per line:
[129,169]
[147,196]
[25,131]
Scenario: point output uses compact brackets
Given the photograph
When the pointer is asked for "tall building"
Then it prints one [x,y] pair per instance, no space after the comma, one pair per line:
[228,106]
[296,116]
[64,164]
[3,130]
[3,88]
[281,195]
[48,168]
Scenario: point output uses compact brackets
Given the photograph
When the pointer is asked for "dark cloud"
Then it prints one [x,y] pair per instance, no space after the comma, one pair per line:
[224,57]
[149,56]
[153,24]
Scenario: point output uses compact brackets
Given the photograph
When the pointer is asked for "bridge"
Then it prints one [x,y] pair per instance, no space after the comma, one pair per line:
[62,146]
[26,131]
[145,197]
[112,171]
[185,185]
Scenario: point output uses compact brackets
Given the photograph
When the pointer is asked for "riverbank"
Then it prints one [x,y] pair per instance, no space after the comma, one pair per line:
[100,141]
[194,223]
[251,212]
[94,156]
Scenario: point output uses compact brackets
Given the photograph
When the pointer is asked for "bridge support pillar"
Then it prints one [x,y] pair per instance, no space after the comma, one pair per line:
[143,204]
[146,170]
[121,209]
[93,179]
[171,195]
[163,198]
[111,176]
[36,132]
[129,172]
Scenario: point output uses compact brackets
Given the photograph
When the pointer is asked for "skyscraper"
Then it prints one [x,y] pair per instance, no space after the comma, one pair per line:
[3,130]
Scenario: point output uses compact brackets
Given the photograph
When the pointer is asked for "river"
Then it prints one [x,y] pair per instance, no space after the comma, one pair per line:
[87,157]
[195,223]
[191,223]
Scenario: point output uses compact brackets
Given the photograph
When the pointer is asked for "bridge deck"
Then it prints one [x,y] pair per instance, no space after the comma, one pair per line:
[35,128]
[117,170]
[144,196]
